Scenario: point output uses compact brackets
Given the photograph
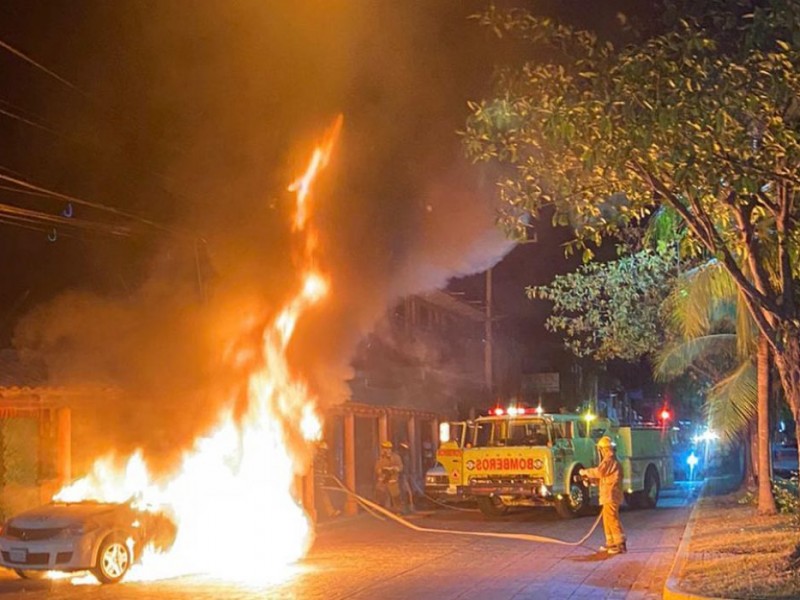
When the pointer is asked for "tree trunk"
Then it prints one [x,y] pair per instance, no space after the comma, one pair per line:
[749,476]
[788,364]
[766,502]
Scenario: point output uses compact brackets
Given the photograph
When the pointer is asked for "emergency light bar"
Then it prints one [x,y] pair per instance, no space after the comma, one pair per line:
[513,411]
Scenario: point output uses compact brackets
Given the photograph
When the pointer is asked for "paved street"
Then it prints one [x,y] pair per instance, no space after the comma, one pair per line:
[364,558]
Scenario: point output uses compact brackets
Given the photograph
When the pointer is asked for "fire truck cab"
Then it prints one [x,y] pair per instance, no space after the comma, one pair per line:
[519,457]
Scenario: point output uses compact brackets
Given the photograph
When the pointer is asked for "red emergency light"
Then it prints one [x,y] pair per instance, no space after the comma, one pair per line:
[665,415]
[514,411]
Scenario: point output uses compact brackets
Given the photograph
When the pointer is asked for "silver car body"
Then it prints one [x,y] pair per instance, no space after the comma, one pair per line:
[65,536]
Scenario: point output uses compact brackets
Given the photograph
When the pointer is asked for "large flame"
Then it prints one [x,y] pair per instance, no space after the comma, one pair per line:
[233,497]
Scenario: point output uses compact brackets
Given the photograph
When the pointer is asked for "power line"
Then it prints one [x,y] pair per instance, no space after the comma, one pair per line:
[21,55]
[12,211]
[17,117]
[41,67]
[23,116]
[15,190]
[76,200]
[22,225]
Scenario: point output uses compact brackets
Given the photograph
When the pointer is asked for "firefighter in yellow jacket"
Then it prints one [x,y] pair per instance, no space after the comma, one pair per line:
[387,477]
[609,476]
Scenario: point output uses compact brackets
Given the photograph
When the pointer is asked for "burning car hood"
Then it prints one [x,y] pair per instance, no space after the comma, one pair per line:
[61,514]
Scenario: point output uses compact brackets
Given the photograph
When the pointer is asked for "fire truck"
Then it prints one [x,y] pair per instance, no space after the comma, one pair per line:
[523,457]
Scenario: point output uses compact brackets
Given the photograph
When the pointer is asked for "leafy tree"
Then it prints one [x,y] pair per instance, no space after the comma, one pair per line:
[611,310]
[715,336]
[704,118]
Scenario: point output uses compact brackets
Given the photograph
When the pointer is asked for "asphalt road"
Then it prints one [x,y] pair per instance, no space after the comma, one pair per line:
[363,558]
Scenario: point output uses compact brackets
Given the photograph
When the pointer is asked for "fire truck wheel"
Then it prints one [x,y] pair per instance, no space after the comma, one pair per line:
[577,503]
[492,507]
[652,487]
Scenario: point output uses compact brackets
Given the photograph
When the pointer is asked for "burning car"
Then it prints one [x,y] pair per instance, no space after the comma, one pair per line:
[101,537]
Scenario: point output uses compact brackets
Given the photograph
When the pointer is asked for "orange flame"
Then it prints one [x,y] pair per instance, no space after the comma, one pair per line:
[319,160]
[232,496]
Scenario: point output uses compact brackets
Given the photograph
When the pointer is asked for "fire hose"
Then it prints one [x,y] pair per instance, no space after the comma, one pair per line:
[373,507]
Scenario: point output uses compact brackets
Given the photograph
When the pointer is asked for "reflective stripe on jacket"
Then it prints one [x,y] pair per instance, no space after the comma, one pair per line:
[609,472]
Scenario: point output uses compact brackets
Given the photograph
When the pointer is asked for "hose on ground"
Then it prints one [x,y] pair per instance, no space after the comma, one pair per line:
[448,506]
[526,537]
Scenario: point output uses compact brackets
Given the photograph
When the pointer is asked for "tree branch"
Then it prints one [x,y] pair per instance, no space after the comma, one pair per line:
[712,242]
[782,224]
[753,254]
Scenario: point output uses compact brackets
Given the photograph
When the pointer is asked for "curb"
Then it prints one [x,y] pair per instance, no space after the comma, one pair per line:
[672,584]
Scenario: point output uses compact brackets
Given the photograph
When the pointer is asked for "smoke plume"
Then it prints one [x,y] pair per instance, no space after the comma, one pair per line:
[227,99]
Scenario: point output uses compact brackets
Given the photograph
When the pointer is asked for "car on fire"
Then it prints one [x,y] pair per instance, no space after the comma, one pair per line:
[102,537]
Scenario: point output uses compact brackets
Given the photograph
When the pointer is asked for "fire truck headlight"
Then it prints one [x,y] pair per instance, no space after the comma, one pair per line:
[543,491]
[444,432]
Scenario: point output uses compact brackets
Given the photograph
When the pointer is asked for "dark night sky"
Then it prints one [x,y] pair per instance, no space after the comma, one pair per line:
[157,72]
[196,116]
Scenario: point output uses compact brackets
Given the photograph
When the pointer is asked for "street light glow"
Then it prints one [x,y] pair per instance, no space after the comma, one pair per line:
[709,435]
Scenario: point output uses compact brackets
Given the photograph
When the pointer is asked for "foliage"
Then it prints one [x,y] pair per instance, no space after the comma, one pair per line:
[732,403]
[703,118]
[611,310]
[712,335]
[786,498]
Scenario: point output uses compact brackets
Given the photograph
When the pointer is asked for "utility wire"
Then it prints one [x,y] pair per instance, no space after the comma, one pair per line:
[41,67]
[22,225]
[21,55]
[26,214]
[80,201]
[24,116]
[27,121]
[16,190]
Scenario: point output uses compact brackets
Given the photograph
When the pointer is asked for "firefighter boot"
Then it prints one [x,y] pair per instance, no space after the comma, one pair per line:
[618,549]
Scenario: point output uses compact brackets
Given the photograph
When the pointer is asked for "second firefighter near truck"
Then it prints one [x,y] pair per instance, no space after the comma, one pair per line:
[520,457]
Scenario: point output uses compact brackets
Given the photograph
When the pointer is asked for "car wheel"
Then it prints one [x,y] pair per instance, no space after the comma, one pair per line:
[30,574]
[491,506]
[113,560]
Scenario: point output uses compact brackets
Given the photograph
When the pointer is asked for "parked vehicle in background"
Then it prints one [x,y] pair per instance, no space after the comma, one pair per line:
[104,538]
[453,436]
[785,459]
[518,457]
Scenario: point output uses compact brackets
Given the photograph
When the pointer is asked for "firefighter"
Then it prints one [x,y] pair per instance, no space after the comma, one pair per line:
[321,464]
[609,476]
[406,494]
[387,477]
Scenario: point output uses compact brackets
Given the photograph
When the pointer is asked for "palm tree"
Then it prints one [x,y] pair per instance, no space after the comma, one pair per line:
[716,337]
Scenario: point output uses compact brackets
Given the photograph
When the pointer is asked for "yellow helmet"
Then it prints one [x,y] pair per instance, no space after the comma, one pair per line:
[605,442]
[386,444]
